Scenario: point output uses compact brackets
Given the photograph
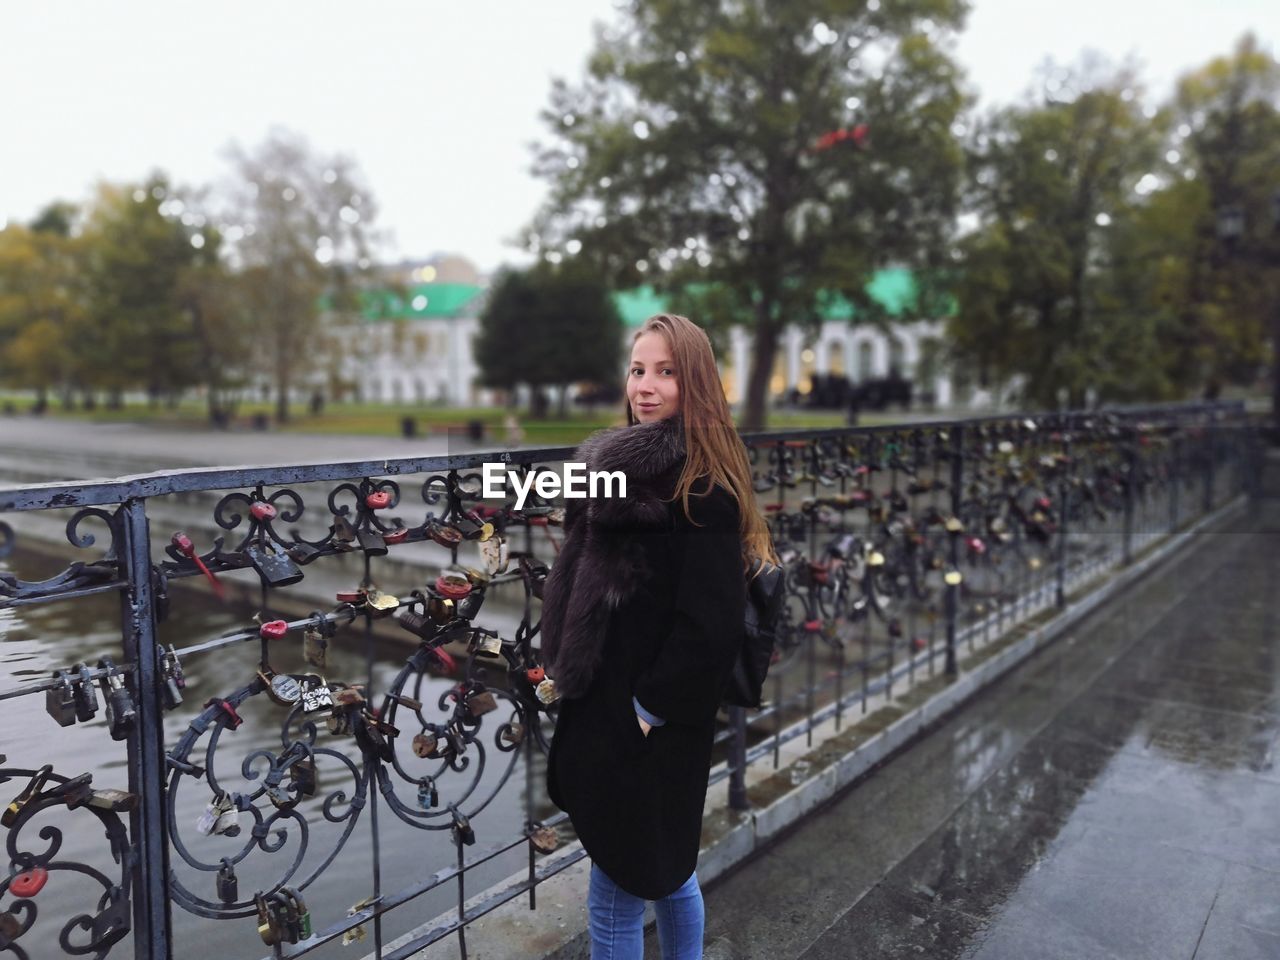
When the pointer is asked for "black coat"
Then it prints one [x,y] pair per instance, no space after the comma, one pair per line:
[656,600]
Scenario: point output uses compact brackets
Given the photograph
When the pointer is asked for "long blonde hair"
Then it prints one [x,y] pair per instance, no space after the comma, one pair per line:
[714,451]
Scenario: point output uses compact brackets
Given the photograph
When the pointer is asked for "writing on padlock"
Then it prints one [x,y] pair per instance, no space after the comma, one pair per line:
[315,695]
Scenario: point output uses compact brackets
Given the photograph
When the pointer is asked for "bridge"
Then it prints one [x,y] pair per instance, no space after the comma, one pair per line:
[1025,703]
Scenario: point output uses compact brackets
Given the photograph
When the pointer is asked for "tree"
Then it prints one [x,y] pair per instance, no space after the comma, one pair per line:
[773,152]
[1051,183]
[1224,158]
[301,227]
[549,326]
[43,304]
[139,251]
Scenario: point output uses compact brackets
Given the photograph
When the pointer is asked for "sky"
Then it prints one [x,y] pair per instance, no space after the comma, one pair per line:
[438,102]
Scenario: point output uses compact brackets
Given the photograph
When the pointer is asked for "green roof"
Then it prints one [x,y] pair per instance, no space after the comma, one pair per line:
[893,288]
[420,301]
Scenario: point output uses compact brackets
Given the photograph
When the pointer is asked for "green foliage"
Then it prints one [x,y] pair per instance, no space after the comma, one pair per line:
[1097,262]
[689,154]
[549,326]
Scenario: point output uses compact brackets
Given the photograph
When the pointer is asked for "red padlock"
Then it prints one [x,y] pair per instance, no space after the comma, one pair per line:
[261,510]
[452,587]
[1044,503]
[273,629]
[378,500]
[536,674]
[919,643]
[29,882]
[813,626]
[975,545]
[444,662]
[233,719]
[396,536]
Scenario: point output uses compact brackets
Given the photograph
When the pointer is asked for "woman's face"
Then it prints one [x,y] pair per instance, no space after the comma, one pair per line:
[652,388]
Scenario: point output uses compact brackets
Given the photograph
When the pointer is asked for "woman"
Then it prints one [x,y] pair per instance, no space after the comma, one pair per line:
[641,623]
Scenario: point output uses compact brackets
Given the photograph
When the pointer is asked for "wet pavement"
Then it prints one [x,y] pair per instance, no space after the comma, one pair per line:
[1115,796]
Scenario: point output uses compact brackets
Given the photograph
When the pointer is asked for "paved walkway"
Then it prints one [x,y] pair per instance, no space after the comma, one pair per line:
[1114,797]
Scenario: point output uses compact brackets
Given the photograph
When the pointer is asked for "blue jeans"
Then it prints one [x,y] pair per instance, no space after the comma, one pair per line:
[616,921]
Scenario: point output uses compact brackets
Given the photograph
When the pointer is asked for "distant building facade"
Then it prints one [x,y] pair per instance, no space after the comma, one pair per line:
[414,343]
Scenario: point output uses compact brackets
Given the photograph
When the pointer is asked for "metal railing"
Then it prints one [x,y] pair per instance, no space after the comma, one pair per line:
[907,549]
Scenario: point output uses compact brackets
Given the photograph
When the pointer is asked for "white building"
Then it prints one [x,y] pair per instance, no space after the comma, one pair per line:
[414,344]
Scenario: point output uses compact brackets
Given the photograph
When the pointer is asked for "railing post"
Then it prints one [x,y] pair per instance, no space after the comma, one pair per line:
[1064,492]
[953,589]
[738,759]
[1131,475]
[149,829]
[1207,450]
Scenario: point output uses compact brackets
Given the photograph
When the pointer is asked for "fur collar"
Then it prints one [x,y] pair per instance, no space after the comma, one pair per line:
[598,568]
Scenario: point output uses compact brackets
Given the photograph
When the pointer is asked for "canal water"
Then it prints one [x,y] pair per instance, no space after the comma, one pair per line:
[37,639]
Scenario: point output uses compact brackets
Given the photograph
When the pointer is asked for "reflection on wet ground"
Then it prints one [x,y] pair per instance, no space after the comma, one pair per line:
[1114,797]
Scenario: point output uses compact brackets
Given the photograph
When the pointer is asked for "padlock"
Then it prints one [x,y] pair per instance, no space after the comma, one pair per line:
[342,531]
[480,702]
[227,884]
[488,644]
[398,535]
[113,921]
[120,712]
[279,795]
[262,511]
[274,569]
[105,799]
[29,882]
[371,542]
[283,688]
[340,722]
[299,915]
[268,925]
[374,734]
[302,777]
[378,500]
[462,832]
[544,839]
[273,629]
[60,701]
[209,817]
[405,701]
[315,647]
[546,692]
[302,552]
[469,606]
[428,795]
[170,692]
[175,669]
[230,718]
[315,694]
[10,928]
[425,745]
[452,585]
[379,603]
[445,535]
[513,734]
[357,933]
[228,822]
[85,696]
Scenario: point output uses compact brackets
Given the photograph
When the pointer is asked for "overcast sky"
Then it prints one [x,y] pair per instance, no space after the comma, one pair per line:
[437,101]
